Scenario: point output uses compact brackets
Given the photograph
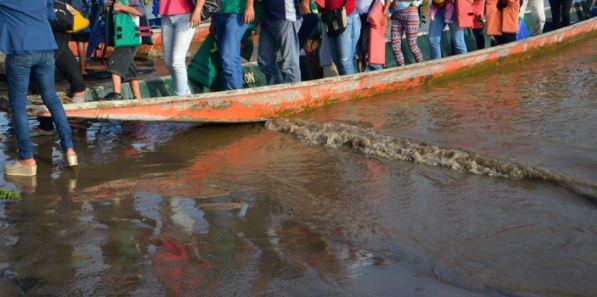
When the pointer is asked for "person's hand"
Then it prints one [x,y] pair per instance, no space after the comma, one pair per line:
[384,20]
[305,7]
[118,7]
[385,16]
[395,4]
[195,18]
[249,14]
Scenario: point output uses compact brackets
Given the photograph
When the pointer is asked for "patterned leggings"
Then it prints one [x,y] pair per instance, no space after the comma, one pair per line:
[407,21]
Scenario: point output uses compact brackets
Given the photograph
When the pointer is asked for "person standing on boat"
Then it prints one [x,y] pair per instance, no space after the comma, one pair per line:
[342,25]
[122,61]
[27,40]
[81,39]
[537,13]
[560,13]
[436,28]
[179,19]
[67,67]
[279,33]
[405,19]
[502,20]
[230,25]
[363,8]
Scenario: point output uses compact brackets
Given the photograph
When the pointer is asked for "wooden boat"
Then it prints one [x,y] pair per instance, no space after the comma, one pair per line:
[263,103]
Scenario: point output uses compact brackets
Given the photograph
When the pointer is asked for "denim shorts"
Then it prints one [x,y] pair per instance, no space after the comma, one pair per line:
[122,62]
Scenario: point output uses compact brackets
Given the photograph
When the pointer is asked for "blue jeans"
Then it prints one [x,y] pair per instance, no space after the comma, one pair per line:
[41,67]
[230,29]
[177,35]
[436,27]
[280,35]
[343,47]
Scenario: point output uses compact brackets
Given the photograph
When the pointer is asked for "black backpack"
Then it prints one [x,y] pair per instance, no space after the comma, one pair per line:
[64,18]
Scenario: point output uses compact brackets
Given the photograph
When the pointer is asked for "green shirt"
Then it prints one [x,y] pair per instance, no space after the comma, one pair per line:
[232,6]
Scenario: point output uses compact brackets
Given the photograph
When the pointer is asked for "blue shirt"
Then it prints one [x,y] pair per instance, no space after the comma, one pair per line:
[25,26]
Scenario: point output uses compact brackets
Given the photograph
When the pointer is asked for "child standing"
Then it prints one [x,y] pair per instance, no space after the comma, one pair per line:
[122,61]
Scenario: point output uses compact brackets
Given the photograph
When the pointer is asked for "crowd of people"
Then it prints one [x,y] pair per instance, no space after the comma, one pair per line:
[351,31]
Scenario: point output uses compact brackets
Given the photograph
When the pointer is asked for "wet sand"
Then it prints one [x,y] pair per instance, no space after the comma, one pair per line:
[160,209]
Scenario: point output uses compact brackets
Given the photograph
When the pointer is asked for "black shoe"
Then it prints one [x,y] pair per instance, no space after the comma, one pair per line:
[113,96]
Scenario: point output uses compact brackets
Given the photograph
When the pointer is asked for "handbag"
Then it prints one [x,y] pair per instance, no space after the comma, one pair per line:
[376,49]
[68,19]
[335,20]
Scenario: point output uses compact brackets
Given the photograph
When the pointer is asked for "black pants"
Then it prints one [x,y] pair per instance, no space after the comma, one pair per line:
[560,13]
[505,38]
[68,68]
[363,42]
[479,38]
[67,64]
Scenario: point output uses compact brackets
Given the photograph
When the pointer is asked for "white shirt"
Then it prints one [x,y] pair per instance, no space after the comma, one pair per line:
[364,5]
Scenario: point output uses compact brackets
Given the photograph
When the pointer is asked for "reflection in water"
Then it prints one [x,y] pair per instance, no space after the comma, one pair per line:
[180,210]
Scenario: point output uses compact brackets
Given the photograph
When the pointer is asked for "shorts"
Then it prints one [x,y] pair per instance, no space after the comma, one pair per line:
[80,37]
[122,62]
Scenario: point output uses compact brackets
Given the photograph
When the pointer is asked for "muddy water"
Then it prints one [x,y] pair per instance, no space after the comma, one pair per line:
[186,210]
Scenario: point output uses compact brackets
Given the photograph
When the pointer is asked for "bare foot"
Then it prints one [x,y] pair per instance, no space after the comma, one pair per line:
[70,152]
[27,162]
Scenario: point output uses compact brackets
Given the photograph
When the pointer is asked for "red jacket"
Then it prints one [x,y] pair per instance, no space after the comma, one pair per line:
[501,21]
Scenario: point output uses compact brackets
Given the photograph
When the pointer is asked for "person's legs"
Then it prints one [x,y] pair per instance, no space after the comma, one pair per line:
[290,51]
[410,24]
[168,42]
[229,31]
[396,38]
[135,88]
[555,7]
[120,64]
[436,27]
[342,47]
[355,34]
[457,34]
[538,12]
[505,38]
[132,77]
[67,66]
[566,6]
[183,35]
[117,83]
[267,53]
[43,72]
[82,53]
[479,38]
[18,70]
[363,44]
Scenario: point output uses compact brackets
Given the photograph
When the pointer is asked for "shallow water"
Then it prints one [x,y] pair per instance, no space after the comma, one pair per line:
[186,210]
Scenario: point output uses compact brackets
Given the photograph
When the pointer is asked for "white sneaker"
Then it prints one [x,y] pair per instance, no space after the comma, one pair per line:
[19,169]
